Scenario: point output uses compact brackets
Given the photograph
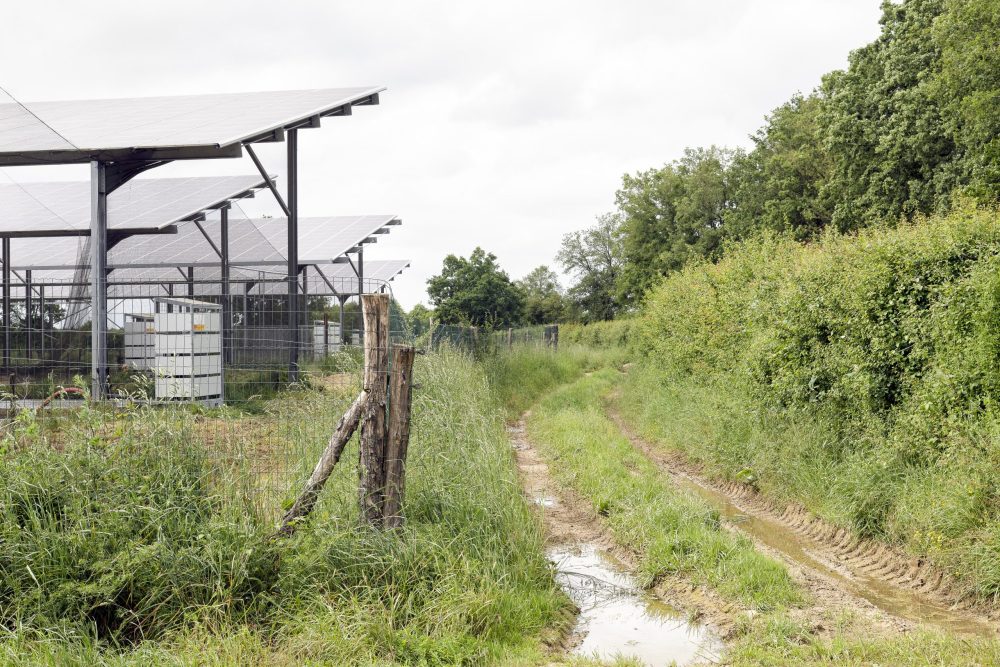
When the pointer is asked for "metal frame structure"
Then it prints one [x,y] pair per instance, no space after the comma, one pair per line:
[152,132]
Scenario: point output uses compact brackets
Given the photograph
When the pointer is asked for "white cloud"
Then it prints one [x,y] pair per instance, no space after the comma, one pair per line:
[506,125]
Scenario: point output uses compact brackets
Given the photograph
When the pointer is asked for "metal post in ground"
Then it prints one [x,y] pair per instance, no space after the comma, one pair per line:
[98,280]
[293,254]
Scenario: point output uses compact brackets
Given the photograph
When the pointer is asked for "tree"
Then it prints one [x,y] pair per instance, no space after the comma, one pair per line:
[884,127]
[672,215]
[543,298]
[595,256]
[419,319]
[475,291]
[778,184]
[968,87]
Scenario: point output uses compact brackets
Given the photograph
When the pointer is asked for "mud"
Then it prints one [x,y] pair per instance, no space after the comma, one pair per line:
[842,571]
[615,617]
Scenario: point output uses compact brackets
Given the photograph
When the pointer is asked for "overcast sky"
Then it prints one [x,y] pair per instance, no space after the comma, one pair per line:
[505,124]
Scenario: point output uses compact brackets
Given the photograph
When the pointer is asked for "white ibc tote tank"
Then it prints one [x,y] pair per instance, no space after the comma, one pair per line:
[188,350]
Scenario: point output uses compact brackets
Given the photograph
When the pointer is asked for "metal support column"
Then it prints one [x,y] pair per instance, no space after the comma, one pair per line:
[28,315]
[6,304]
[190,281]
[98,280]
[343,335]
[41,326]
[361,287]
[292,198]
[227,306]
[306,329]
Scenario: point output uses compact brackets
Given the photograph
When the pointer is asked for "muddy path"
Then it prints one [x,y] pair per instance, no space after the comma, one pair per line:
[675,622]
[885,590]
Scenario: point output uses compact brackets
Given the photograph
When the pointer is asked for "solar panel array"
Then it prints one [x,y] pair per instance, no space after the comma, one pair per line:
[63,207]
[322,240]
[219,120]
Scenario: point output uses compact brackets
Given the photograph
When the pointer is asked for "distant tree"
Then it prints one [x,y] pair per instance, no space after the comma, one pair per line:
[475,291]
[595,257]
[543,297]
[778,184]
[672,215]
[419,319]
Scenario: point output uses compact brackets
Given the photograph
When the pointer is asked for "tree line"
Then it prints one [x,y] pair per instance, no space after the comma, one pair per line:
[910,127]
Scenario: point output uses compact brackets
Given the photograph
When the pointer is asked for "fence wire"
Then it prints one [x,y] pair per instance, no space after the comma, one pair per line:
[256,379]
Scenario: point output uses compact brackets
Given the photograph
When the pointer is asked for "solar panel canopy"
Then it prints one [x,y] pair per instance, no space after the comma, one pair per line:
[160,127]
[258,243]
[322,240]
[142,205]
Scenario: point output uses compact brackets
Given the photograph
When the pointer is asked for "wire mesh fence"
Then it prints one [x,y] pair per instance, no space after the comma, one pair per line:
[488,339]
[255,377]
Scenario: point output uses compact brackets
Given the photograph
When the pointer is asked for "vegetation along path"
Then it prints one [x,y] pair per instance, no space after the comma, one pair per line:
[836,567]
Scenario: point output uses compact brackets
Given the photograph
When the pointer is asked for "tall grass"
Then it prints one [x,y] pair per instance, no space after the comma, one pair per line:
[520,376]
[129,546]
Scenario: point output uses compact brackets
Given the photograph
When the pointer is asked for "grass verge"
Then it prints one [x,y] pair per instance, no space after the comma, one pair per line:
[133,550]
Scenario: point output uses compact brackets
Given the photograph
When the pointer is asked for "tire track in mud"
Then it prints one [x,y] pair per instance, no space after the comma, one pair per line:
[839,569]
[569,520]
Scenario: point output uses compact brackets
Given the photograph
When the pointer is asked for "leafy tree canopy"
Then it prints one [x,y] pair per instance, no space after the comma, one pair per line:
[543,297]
[475,291]
[595,256]
[671,215]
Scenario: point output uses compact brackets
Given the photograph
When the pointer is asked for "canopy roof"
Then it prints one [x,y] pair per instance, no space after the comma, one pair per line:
[258,243]
[163,128]
[141,206]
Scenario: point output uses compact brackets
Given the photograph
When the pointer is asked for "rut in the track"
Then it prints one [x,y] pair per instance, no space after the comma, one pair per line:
[840,570]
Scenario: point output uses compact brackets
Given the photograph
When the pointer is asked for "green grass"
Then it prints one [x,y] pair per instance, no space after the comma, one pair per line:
[521,375]
[138,548]
[673,532]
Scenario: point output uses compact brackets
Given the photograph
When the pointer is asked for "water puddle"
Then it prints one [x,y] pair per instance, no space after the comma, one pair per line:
[895,600]
[618,620]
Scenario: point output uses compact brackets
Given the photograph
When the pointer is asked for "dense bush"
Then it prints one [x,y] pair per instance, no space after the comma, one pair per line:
[858,373]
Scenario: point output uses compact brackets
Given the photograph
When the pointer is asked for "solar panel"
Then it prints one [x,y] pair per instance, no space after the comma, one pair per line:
[321,240]
[143,204]
[67,131]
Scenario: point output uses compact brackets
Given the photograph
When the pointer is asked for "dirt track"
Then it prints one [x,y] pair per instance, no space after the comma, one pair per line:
[890,592]
[569,519]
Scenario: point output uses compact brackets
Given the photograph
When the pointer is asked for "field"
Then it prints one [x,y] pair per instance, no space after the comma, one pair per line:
[146,536]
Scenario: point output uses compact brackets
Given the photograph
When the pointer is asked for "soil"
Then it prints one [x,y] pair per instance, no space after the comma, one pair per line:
[569,519]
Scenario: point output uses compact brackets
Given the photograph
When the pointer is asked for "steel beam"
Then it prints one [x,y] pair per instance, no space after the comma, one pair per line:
[6,304]
[27,313]
[294,315]
[98,280]
[227,306]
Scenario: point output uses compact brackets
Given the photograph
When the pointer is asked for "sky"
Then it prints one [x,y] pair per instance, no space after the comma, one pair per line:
[505,124]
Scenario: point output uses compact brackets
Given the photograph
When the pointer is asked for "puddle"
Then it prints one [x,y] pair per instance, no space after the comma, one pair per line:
[895,600]
[618,620]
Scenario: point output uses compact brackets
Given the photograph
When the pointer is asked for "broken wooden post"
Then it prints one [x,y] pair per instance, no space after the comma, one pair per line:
[400,400]
[310,494]
[375,310]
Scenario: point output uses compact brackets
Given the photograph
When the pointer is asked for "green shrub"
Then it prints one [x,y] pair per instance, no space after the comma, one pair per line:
[858,374]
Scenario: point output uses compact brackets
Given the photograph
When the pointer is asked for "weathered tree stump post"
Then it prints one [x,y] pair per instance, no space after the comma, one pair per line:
[400,400]
[555,337]
[510,338]
[374,433]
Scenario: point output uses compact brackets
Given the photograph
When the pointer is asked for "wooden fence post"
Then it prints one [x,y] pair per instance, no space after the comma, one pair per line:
[375,308]
[510,338]
[555,337]
[400,400]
